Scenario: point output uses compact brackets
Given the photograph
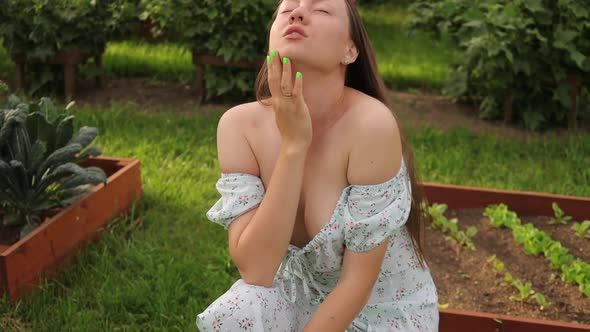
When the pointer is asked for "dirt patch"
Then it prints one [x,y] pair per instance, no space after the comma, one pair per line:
[442,112]
[147,94]
[467,281]
[9,323]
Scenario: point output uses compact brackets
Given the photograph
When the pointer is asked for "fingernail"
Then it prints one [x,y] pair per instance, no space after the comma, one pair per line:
[273,53]
[285,60]
[268,58]
[298,75]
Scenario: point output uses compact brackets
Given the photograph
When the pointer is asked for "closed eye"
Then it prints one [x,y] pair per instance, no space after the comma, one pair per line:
[323,11]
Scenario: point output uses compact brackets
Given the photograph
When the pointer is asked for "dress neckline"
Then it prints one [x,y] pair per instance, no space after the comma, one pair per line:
[321,233]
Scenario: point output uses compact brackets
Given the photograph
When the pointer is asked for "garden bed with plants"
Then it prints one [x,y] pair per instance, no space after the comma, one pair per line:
[56,193]
[494,260]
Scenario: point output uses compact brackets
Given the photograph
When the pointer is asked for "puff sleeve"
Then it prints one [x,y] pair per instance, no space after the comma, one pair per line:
[374,212]
[240,193]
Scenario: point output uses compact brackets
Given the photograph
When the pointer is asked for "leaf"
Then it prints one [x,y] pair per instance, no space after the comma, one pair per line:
[71,196]
[62,171]
[59,156]
[12,102]
[20,176]
[577,57]
[70,105]
[29,227]
[563,37]
[38,155]
[85,136]
[38,127]
[91,175]
[91,151]
[533,5]
[64,131]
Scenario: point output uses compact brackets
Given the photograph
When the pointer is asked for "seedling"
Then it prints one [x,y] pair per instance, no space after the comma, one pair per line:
[560,217]
[541,300]
[582,229]
[525,291]
[458,237]
[497,265]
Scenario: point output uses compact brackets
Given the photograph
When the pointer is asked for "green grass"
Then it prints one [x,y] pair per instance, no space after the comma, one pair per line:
[164,62]
[406,61]
[176,263]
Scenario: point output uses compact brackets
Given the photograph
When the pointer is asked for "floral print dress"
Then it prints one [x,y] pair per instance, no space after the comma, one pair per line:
[404,297]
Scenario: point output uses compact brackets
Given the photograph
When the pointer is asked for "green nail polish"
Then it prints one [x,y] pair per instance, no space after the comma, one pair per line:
[268,58]
[298,75]
[285,60]
[273,53]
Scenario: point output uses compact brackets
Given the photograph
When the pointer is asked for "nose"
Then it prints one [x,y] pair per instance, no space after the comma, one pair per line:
[298,14]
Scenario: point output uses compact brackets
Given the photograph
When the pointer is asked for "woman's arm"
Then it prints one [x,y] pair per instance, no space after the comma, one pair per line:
[258,240]
[375,158]
[347,299]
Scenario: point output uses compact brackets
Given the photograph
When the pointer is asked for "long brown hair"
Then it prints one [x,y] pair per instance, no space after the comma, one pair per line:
[363,75]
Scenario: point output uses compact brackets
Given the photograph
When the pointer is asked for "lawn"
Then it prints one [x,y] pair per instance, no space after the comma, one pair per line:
[176,262]
[406,60]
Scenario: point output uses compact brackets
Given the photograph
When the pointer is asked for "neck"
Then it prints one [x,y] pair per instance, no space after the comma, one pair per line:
[324,94]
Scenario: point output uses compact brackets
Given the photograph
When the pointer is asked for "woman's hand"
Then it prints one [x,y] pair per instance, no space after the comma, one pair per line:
[291,112]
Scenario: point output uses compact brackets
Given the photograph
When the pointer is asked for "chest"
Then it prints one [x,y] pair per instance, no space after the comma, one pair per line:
[325,176]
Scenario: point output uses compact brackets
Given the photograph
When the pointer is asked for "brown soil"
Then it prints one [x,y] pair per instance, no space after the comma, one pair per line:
[9,234]
[149,95]
[467,281]
[443,112]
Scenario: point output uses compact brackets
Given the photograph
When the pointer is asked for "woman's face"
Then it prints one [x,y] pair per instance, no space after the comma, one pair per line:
[312,32]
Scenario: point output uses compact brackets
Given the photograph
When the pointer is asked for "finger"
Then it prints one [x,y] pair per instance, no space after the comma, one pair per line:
[287,79]
[274,77]
[298,88]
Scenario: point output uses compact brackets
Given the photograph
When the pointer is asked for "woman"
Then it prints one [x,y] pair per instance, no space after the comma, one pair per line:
[319,194]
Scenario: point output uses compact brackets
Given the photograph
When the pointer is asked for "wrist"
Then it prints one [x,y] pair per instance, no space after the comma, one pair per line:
[295,150]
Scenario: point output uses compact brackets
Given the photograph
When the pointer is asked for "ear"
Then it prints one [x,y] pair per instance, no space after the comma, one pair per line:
[350,55]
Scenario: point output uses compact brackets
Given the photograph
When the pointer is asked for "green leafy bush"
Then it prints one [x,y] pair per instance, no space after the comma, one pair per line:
[3,88]
[233,29]
[525,57]
[39,157]
[40,28]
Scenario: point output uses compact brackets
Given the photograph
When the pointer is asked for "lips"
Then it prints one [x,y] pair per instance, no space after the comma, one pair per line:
[294,33]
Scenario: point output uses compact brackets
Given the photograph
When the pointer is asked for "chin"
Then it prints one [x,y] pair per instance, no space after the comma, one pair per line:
[294,52]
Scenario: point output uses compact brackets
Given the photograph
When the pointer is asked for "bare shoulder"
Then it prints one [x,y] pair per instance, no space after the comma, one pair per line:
[368,112]
[376,152]
[234,151]
[243,112]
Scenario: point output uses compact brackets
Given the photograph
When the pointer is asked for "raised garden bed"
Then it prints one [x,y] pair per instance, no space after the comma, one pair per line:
[70,59]
[57,240]
[472,289]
